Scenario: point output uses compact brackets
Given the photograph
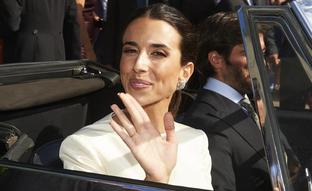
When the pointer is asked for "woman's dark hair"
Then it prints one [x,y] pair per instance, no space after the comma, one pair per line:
[184,27]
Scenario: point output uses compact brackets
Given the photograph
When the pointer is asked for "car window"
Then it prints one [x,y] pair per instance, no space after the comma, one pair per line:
[290,87]
[282,84]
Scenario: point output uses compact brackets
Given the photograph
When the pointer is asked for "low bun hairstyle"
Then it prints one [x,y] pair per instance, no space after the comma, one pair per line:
[188,44]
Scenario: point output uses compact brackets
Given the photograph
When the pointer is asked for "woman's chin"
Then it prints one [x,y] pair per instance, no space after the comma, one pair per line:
[139,97]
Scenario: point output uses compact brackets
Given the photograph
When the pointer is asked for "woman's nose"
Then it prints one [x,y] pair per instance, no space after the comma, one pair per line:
[141,63]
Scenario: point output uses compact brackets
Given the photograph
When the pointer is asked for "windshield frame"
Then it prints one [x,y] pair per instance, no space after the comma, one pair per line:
[303,9]
[283,15]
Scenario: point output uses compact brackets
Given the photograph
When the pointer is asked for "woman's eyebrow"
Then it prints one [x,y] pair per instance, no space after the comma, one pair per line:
[157,45]
[153,45]
[131,43]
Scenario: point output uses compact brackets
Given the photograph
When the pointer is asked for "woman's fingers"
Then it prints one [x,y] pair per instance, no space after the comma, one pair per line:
[121,132]
[169,127]
[135,110]
[125,122]
[155,155]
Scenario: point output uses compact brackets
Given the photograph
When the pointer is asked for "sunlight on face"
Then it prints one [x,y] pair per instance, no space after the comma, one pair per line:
[151,60]
[238,68]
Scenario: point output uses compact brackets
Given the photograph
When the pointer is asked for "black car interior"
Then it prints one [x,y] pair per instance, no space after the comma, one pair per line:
[47,109]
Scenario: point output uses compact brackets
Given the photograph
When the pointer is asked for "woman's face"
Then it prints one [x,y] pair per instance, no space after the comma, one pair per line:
[150,65]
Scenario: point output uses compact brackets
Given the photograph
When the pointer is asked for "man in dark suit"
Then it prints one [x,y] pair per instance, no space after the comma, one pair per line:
[235,141]
[38,29]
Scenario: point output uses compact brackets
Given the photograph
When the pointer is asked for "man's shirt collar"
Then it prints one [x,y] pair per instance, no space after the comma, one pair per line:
[223,89]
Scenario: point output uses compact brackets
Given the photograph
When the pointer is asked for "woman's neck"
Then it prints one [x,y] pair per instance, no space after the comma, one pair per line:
[156,114]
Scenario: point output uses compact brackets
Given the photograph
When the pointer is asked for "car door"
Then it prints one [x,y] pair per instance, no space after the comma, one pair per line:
[282,88]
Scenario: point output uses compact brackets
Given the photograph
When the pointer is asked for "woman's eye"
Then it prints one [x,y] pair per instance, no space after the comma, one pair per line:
[129,51]
[159,54]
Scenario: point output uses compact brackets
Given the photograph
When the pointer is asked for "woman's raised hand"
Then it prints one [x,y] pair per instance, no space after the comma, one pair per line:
[156,155]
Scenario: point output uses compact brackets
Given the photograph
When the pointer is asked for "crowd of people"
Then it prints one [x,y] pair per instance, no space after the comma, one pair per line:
[75,29]
[217,143]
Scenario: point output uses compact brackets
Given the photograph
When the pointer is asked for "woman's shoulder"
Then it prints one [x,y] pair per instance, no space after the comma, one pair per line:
[102,125]
[183,127]
[186,132]
[93,132]
[97,135]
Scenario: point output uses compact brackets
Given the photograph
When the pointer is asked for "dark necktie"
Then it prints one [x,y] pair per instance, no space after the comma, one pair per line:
[245,103]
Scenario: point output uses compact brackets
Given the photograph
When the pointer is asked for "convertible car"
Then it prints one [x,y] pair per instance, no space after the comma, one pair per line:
[41,104]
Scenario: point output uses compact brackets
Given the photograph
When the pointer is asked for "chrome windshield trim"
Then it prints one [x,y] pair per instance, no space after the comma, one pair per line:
[303,10]
[248,17]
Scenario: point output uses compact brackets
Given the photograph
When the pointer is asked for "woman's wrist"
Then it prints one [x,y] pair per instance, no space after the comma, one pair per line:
[160,179]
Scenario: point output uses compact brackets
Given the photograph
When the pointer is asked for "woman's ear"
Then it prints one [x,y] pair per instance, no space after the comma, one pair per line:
[186,71]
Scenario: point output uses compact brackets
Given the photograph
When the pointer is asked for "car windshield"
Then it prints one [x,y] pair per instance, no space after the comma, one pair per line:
[304,10]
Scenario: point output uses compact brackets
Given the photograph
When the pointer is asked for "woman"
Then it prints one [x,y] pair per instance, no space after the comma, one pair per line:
[143,141]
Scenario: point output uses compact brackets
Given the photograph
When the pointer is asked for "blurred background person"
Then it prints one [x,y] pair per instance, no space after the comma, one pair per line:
[37,32]
[86,16]
[222,108]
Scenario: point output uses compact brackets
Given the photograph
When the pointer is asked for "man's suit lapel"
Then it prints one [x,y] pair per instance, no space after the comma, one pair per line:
[232,114]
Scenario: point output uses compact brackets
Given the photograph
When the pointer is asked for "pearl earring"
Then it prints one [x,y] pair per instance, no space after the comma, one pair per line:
[181,84]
